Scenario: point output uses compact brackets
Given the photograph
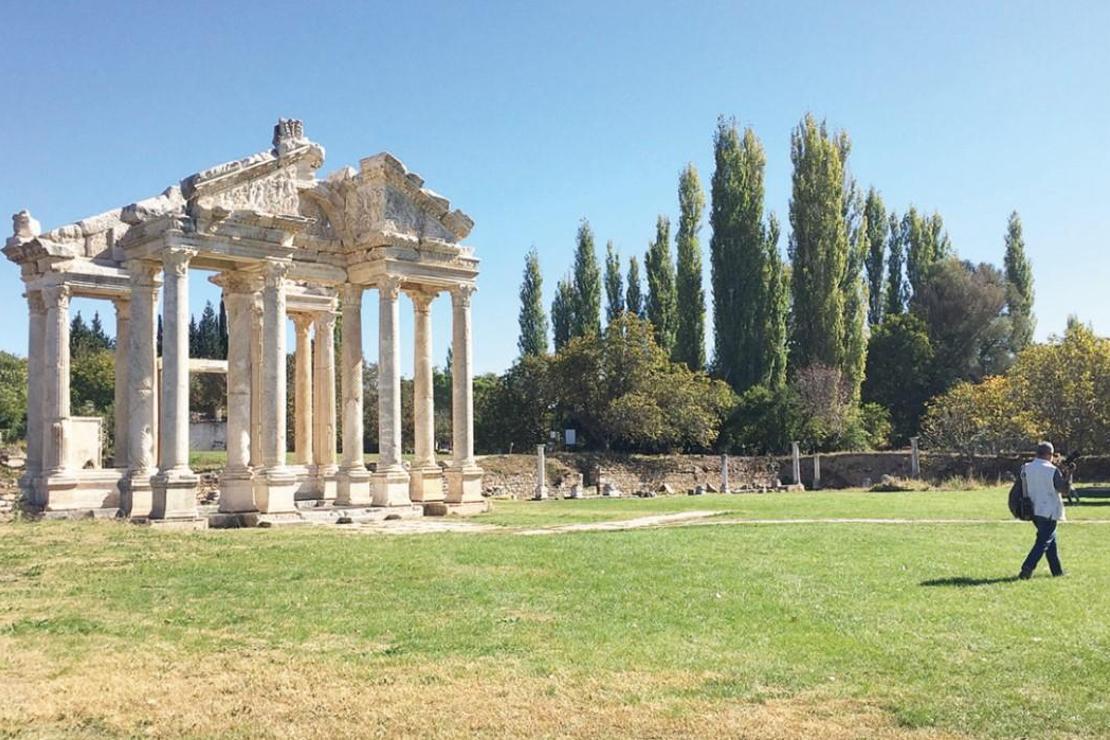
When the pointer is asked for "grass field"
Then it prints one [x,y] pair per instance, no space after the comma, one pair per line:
[767,630]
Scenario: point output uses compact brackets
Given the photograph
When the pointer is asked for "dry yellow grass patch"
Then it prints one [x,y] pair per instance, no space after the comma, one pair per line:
[160,691]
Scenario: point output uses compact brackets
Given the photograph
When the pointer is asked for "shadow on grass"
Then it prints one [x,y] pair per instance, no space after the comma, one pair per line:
[964,581]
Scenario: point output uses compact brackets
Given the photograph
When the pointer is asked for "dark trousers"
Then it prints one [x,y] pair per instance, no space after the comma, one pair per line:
[1044,545]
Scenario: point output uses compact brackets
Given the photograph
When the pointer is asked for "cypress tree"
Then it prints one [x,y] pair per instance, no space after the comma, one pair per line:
[97,335]
[562,312]
[745,266]
[223,330]
[874,214]
[614,285]
[690,322]
[587,285]
[194,337]
[1019,289]
[819,245]
[661,298]
[634,297]
[895,297]
[533,320]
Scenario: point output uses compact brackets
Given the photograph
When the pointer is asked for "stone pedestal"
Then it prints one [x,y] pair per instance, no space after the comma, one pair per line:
[426,485]
[391,488]
[174,496]
[464,485]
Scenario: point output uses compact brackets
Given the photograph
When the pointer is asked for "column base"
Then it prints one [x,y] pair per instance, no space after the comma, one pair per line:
[136,494]
[464,485]
[174,495]
[29,489]
[353,487]
[237,493]
[540,494]
[426,484]
[274,490]
[327,486]
[391,488]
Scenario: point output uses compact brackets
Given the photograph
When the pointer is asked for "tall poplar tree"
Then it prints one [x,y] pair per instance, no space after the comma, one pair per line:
[634,296]
[749,297]
[1019,288]
[854,286]
[661,298]
[925,242]
[874,214]
[894,296]
[614,284]
[533,320]
[587,285]
[562,312]
[819,245]
[689,344]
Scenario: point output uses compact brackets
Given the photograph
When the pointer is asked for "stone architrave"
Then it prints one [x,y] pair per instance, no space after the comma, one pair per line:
[137,498]
[123,344]
[276,485]
[237,479]
[35,372]
[353,478]
[324,400]
[426,477]
[464,477]
[175,486]
[391,482]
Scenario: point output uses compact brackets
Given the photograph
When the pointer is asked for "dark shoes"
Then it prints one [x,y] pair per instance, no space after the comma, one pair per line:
[1060,574]
[1025,575]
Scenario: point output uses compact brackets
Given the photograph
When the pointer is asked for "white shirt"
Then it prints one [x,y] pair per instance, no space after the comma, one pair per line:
[1042,481]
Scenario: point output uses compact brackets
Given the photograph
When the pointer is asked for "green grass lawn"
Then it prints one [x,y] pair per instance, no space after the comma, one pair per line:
[832,630]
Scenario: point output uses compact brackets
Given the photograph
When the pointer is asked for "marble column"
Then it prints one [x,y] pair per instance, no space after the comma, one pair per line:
[353,478]
[275,488]
[323,437]
[302,392]
[464,477]
[256,380]
[123,345]
[175,485]
[58,480]
[35,412]
[426,478]
[391,482]
[236,481]
[142,427]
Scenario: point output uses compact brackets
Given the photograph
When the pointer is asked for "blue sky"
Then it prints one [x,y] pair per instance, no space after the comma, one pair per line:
[531,117]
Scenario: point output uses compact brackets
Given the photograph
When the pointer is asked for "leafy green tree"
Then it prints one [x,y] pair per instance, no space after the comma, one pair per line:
[926,243]
[614,285]
[899,364]
[749,298]
[13,396]
[896,297]
[690,321]
[875,226]
[1019,287]
[562,312]
[623,392]
[85,338]
[633,297]
[587,285]
[518,412]
[984,417]
[92,384]
[819,245]
[661,297]
[854,286]
[532,319]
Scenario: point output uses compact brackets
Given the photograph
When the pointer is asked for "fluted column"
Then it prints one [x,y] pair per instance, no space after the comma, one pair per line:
[275,492]
[35,364]
[302,392]
[175,484]
[323,438]
[56,381]
[141,383]
[353,478]
[391,482]
[236,487]
[464,478]
[123,345]
[256,380]
[426,479]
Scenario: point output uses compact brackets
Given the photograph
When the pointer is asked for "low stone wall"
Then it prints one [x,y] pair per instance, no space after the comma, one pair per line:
[514,475]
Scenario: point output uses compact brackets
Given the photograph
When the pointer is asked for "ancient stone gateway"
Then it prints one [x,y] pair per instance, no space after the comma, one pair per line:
[284,245]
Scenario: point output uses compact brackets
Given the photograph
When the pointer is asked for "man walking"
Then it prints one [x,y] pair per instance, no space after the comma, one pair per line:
[1044,483]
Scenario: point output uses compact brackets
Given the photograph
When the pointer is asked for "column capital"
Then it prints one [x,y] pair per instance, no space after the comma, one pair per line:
[422,298]
[350,294]
[235,282]
[325,320]
[274,272]
[176,260]
[123,307]
[35,302]
[389,287]
[143,274]
[302,321]
[56,296]
[460,294]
